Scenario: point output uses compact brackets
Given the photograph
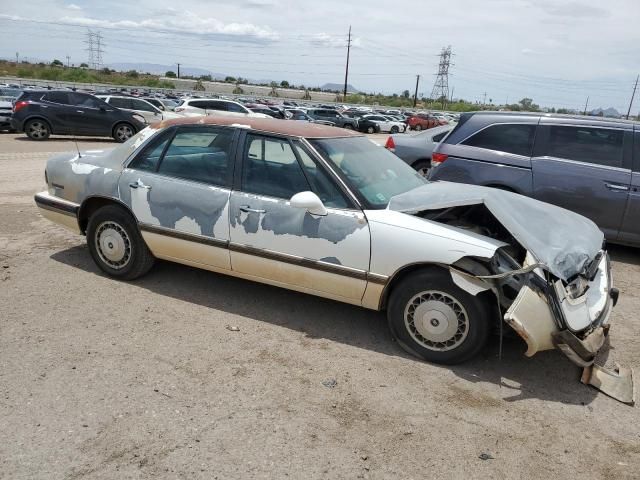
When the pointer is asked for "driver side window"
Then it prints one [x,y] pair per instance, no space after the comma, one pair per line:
[270,168]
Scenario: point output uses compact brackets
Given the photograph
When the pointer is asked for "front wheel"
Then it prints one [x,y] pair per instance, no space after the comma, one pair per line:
[434,319]
[418,127]
[371,130]
[123,132]
[394,129]
[348,126]
[116,244]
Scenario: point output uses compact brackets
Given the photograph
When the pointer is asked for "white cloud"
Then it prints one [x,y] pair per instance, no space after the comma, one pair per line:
[73,6]
[184,22]
[333,41]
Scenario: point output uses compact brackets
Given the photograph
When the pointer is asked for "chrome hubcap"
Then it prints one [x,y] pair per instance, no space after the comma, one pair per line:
[436,320]
[113,245]
[423,171]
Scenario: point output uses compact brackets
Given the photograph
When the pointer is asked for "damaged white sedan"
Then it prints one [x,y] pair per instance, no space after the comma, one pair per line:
[323,210]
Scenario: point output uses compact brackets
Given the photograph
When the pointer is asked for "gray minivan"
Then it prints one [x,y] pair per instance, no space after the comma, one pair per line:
[589,165]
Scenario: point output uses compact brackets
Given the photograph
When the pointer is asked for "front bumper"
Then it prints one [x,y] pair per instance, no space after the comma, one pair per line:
[58,210]
[578,328]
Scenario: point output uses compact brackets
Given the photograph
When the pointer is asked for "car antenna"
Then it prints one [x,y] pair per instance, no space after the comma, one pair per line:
[75,141]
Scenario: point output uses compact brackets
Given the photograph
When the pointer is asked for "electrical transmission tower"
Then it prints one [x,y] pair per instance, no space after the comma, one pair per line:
[441,86]
[94,47]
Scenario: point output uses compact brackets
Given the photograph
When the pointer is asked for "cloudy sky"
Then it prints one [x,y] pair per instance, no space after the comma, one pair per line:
[557,52]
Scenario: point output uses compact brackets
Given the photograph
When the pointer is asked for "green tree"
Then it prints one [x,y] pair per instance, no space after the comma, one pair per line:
[284,84]
[199,87]
[132,74]
[230,79]
[206,78]
[84,65]
[273,92]
[57,63]
[406,94]
[527,105]
[170,74]
[105,71]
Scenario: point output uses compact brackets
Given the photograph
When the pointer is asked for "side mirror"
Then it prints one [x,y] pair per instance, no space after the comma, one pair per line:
[310,202]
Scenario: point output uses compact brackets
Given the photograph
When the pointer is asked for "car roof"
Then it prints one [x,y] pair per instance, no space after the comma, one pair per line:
[556,115]
[270,125]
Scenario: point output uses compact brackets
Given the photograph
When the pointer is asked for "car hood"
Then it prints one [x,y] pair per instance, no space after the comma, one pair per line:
[563,241]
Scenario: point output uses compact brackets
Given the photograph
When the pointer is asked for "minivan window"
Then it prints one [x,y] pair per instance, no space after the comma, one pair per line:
[232,107]
[600,146]
[505,137]
[120,102]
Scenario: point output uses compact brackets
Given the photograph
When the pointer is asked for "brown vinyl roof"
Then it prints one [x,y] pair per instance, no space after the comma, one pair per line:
[271,125]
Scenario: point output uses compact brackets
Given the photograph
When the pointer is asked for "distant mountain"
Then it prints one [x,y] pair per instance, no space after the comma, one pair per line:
[158,69]
[609,112]
[339,87]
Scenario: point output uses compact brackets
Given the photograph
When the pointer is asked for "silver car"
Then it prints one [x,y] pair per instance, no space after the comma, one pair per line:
[325,211]
[416,149]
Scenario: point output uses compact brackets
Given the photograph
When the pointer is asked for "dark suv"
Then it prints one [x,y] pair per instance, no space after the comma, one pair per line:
[42,113]
[586,164]
[334,117]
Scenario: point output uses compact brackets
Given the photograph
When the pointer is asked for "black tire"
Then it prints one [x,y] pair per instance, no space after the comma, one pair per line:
[446,300]
[394,129]
[371,130]
[418,127]
[122,132]
[422,167]
[125,253]
[348,126]
[37,129]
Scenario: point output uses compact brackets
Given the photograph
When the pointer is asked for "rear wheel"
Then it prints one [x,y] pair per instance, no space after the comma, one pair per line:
[418,127]
[116,244]
[422,167]
[394,129]
[434,319]
[37,129]
[123,132]
[348,126]
[371,130]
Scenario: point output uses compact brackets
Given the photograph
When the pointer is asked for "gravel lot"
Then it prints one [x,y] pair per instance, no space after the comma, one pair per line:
[103,379]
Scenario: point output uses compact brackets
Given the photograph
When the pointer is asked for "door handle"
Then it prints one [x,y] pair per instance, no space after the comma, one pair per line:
[617,188]
[139,184]
[79,111]
[248,209]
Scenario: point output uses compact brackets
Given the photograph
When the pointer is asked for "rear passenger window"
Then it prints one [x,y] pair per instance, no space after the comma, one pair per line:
[271,168]
[200,154]
[509,138]
[120,102]
[232,107]
[601,146]
[57,97]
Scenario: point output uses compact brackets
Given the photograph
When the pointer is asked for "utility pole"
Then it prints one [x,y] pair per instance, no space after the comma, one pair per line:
[451,98]
[415,95]
[17,57]
[484,99]
[178,70]
[585,106]
[346,71]
[632,95]
[68,58]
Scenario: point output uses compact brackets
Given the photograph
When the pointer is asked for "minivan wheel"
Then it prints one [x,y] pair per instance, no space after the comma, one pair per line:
[116,244]
[394,129]
[371,130]
[418,127]
[37,129]
[422,167]
[434,319]
[123,132]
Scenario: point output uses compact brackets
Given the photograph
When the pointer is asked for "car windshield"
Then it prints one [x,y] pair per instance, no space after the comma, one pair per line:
[373,171]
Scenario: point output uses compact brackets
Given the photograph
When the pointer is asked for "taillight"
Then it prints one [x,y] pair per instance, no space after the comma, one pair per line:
[18,105]
[390,145]
[437,158]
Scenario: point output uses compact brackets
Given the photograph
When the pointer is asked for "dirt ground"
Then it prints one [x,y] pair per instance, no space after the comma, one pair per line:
[101,379]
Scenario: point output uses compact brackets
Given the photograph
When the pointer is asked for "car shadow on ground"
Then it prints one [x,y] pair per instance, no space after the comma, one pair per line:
[623,254]
[547,376]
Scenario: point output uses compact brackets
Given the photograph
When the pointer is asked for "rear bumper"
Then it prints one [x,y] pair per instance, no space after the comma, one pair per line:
[58,211]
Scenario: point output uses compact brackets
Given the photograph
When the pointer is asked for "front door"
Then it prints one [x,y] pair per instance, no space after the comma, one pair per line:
[584,169]
[287,246]
[90,114]
[178,189]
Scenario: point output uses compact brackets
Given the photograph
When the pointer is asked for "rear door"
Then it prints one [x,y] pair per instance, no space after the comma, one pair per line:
[630,230]
[57,108]
[584,168]
[178,189]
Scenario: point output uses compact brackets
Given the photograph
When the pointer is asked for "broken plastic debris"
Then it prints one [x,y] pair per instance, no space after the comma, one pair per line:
[617,383]
[485,456]
[233,328]
[330,382]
